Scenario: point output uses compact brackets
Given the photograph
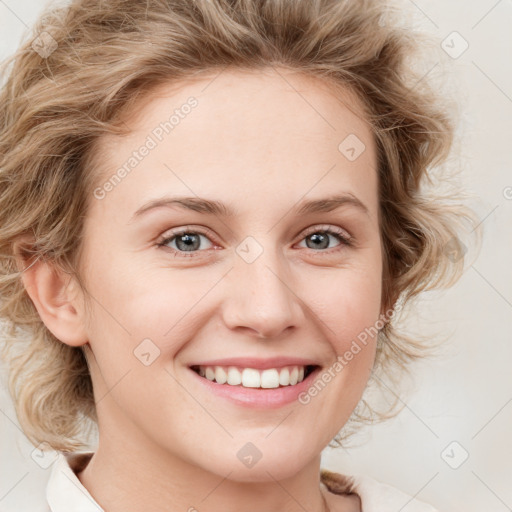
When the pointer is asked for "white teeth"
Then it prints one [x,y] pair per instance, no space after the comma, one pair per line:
[234,376]
[253,378]
[270,378]
[284,377]
[220,375]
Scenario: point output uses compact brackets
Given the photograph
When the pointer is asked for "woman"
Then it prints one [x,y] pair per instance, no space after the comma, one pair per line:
[209,211]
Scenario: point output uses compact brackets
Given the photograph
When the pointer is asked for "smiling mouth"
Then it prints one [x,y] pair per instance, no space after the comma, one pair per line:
[253,378]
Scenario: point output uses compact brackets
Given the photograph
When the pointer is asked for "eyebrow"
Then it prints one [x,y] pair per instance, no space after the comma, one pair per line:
[220,209]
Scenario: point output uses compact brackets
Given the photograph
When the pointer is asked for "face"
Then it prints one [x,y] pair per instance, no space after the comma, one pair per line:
[256,273]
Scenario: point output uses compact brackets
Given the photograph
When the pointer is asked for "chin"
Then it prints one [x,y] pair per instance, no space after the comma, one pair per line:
[263,471]
[261,461]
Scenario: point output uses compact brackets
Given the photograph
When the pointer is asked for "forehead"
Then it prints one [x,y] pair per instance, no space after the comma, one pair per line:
[275,131]
[239,88]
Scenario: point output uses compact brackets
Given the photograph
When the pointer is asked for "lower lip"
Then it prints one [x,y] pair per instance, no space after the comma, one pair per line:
[263,398]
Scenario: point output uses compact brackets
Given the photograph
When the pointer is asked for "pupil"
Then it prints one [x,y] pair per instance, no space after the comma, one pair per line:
[322,239]
[191,242]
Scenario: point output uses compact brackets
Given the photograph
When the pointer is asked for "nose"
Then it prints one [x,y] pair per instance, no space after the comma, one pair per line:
[261,299]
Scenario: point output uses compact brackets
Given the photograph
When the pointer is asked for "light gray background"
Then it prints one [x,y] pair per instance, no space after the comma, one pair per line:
[464,396]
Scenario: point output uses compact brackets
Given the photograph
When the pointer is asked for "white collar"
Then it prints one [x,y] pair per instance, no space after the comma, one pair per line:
[65,492]
[380,497]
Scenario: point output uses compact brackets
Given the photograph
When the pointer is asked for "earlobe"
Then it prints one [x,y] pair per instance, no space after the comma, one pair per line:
[54,294]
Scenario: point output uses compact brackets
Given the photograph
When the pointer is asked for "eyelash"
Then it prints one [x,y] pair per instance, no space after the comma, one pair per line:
[345,241]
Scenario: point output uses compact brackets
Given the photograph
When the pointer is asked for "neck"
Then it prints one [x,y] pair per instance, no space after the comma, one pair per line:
[128,473]
[135,481]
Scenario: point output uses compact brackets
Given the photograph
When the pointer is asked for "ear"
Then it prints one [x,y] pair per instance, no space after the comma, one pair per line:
[56,296]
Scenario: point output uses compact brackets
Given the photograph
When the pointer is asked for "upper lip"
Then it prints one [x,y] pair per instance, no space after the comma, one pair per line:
[258,363]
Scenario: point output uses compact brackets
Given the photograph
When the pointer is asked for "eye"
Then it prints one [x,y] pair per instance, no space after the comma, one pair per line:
[319,238]
[185,241]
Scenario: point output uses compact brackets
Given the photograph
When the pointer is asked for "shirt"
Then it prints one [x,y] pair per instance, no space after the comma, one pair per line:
[65,492]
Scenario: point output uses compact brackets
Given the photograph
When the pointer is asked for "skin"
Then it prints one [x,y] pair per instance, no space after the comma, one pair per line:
[261,143]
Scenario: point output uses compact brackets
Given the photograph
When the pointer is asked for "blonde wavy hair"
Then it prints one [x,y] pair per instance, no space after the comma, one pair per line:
[87,64]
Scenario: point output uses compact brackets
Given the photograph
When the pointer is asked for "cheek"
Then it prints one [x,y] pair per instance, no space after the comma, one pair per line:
[348,313]
[135,304]
[347,304]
